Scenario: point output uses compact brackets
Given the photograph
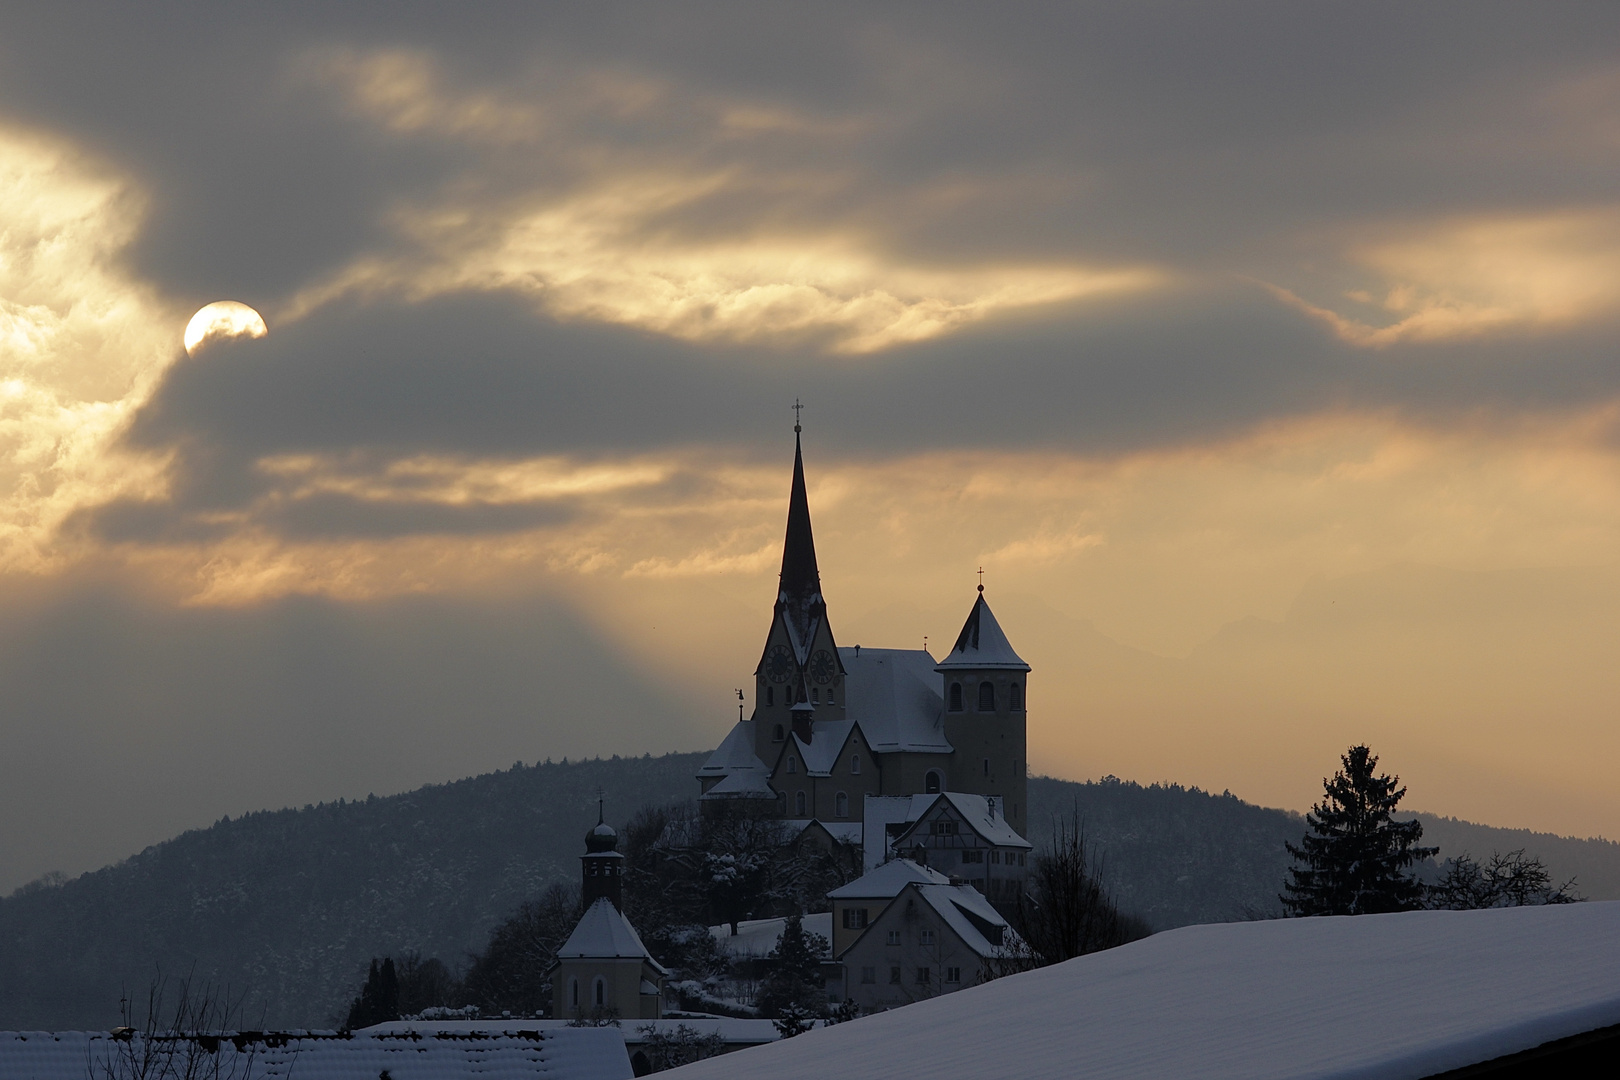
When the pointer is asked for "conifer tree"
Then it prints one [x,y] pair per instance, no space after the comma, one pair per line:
[379,999]
[1356,860]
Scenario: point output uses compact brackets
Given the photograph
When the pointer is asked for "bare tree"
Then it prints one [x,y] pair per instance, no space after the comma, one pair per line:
[1511,880]
[188,1032]
[1067,912]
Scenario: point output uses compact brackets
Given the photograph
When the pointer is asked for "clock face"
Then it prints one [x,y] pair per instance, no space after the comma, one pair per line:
[779,664]
[823,667]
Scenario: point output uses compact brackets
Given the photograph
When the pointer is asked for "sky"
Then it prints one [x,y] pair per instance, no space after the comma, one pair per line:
[1263,356]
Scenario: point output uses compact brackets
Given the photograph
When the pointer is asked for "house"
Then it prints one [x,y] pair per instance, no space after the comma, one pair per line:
[603,970]
[1502,992]
[559,1054]
[965,836]
[833,726]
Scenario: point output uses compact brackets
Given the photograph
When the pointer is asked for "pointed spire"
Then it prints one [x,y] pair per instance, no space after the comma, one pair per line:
[982,643]
[801,579]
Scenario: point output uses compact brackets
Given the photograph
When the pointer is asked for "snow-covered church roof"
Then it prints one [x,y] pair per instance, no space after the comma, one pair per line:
[1396,997]
[602,933]
[982,643]
[893,694]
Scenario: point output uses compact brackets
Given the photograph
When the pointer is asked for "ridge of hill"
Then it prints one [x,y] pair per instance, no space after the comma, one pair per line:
[290,905]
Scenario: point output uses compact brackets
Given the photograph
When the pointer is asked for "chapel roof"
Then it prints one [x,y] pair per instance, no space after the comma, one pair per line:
[604,933]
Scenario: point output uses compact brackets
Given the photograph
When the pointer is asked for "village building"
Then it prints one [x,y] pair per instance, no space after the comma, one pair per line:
[965,836]
[603,970]
[905,931]
[833,726]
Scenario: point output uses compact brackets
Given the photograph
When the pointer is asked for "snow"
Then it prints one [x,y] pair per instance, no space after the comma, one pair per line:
[757,937]
[530,1054]
[827,739]
[894,694]
[1393,997]
[954,903]
[982,644]
[736,751]
[886,881]
[734,1030]
[603,931]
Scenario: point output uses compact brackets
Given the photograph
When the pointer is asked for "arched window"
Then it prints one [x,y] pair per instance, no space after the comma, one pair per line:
[573,992]
[841,805]
[956,697]
[1015,698]
[815,697]
[855,764]
[793,764]
[933,783]
[770,695]
[798,804]
[601,991]
[987,697]
[777,734]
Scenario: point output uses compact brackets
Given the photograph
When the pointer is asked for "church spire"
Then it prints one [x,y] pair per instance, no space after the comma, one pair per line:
[801,579]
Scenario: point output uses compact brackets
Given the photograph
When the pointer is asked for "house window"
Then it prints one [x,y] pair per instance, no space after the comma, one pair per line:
[933,782]
[956,697]
[1020,858]
[927,937]
[770,695]
[798,803]
[987,697]
[600,991]
[855,764]
[793,764]
[973,856]
[995,856]
[894,938]
[854,918]
[894,975]
[944,828]
[925,976]
[777,734]
[1015,698]
[953,975]
[868,975]
[841,805]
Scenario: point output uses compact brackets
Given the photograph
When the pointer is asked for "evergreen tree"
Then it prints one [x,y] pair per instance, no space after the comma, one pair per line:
[379,998]
[1356,860]
[796,984]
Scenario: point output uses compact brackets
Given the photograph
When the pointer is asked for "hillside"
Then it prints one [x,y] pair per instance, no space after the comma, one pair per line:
[291,904]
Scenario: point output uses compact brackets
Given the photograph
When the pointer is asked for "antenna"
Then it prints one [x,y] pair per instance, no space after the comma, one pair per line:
[798,410]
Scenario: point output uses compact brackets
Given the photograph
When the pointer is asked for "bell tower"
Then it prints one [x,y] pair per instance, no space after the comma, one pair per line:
[601,867]
[986,686]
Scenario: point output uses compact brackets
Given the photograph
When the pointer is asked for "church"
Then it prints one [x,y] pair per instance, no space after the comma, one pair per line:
[838,730]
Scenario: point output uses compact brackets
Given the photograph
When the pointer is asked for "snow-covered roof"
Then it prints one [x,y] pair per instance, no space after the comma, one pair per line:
[757,937]
[733,1030]
[742,784]
[557,1054]
[894,695]
[736,751]
[1397,997]
[827,739]
[886,881]
[603,932]
[970,915]
[880,812]
[982,644]
[975,811]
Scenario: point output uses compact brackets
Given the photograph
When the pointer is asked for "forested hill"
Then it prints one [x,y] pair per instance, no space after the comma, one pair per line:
[290,905]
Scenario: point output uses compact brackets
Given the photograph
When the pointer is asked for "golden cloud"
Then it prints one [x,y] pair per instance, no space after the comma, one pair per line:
[1477,276]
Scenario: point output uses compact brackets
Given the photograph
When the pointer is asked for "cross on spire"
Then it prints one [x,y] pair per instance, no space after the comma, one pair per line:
[601,818]
[981,579]
[798,409]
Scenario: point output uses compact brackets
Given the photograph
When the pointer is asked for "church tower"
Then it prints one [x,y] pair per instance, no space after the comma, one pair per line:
[800,677]
[986,686]
[601,867]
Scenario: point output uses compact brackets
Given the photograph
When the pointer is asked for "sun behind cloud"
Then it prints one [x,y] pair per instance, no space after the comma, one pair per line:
[223,319]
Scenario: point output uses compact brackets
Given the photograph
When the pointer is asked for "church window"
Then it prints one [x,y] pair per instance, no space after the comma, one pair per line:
[854,918]
[798,803]
[793,764]
[925,975]
[893,938]
[956,697]
[841,805]
[601,991]
[933,782]
[894,975]
[868,975]
[987,697]
[1015,698]
[829,696]
[777,734]
[855,764]
[927,937]
[770,695]
[573,992]
[987,766]
[953,974]
[815,696]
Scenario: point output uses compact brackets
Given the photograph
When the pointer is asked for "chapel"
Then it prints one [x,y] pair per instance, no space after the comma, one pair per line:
[840,736]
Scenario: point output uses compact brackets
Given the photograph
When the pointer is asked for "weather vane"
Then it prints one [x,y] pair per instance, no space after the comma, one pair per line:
[797,410]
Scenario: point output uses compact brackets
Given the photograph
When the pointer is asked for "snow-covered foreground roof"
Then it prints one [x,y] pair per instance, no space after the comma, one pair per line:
[565,1054]
[1396,997]
[732,1029]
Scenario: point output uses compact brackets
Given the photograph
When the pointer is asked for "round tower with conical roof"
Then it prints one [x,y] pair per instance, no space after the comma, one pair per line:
[986,686]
